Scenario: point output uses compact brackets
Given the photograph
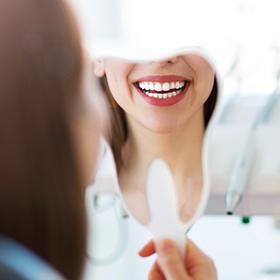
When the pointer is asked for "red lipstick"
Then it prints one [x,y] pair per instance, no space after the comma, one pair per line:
[162,90]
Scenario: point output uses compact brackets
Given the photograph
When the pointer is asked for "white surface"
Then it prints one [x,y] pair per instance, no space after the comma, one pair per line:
[240,251]
[262,192]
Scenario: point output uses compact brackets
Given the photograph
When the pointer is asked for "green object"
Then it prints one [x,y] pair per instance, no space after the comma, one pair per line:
[245,220]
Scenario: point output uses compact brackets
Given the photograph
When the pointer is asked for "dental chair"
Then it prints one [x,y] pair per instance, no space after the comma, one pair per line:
[19,263]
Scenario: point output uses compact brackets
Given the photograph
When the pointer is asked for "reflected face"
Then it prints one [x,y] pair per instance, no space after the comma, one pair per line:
[87,132]
[90,120]
[163,101]
[160,95]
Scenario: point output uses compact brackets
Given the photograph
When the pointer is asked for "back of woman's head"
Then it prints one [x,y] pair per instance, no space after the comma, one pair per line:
[41,198]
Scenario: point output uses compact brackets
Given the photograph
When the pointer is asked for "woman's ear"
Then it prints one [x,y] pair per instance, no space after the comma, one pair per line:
[98,67]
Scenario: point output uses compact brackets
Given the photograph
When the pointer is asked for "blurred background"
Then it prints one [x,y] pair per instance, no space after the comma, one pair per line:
[242,37]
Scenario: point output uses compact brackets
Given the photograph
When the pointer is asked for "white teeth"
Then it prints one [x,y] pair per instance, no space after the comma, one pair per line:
[166,86]
[155,95]
[151,86]
[158,87]
[163,95]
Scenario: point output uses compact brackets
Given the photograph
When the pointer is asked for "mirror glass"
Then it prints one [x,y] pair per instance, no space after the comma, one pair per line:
[159,109]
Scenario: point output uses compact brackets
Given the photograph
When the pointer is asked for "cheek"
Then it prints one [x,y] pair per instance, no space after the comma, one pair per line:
[91,141]
[88,133]
[203,86]
[204,77]
[118,87]
[119,84]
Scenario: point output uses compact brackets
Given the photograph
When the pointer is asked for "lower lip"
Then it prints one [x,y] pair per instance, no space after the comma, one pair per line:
[164,102]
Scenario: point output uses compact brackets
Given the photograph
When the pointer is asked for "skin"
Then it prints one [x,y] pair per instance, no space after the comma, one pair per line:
[161,132]
[170,265]
[89,120]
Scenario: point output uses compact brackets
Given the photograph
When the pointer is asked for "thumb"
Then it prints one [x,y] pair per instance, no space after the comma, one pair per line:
[170,261]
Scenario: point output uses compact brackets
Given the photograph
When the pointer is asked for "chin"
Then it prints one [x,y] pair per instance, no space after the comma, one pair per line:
[161,127]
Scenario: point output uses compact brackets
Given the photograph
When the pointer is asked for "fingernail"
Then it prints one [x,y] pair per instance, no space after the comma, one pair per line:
[140,253]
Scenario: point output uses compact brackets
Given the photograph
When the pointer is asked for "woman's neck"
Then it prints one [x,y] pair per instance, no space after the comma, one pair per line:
[180,148]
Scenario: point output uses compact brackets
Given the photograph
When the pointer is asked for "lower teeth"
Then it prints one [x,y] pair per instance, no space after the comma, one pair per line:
[163,95]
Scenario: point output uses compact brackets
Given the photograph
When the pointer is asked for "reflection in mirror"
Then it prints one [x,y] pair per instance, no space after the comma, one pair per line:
[245,165]
[159,109]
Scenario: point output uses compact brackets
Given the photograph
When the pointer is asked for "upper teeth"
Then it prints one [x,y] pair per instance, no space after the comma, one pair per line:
[167,86]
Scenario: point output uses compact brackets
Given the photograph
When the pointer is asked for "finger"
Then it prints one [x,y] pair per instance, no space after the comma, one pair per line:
[148,249]
[199,264]
[194,255]
[170,261]
[155,273]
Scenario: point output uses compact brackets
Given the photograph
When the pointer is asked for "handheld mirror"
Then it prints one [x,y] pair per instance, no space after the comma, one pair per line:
[161,112]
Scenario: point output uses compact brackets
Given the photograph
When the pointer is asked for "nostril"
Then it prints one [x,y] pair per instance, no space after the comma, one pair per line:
[167,61]
[173,59]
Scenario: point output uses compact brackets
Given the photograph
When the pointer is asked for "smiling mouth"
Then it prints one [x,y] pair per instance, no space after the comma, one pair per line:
[162,90]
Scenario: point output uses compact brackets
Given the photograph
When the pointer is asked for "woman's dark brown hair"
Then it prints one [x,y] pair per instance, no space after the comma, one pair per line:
[119,131]
[41,197]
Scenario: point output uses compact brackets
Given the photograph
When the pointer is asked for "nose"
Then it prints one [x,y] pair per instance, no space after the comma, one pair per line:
[165,62]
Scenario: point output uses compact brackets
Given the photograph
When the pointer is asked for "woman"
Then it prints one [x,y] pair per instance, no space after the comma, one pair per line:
[49,132]
[160,110]
[147,126]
